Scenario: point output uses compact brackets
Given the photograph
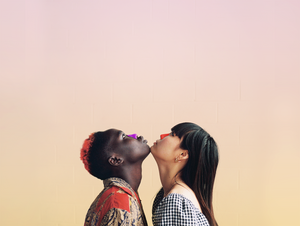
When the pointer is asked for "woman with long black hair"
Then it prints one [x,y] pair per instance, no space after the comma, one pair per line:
[187,160]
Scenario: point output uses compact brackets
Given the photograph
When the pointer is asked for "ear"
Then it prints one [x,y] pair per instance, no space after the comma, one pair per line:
[115,160]
[184,155]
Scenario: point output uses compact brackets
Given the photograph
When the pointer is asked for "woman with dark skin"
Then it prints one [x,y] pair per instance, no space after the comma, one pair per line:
[115,158]
[187,160]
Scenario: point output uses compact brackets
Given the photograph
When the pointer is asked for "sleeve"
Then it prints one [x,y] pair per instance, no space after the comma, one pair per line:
[116,217]
[173,210]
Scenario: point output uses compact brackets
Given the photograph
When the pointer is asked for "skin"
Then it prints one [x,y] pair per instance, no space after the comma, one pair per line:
[126,156]
[171,159]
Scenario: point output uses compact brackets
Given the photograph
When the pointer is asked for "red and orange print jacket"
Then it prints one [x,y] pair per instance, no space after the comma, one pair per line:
[117,204]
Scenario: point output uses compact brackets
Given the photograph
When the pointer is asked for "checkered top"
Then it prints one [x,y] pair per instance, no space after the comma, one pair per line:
[175,209]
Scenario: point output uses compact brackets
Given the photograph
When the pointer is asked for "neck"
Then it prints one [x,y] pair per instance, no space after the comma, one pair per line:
[169,175]
[133,176]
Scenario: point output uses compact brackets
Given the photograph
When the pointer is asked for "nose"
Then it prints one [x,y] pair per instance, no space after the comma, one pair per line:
[133,135]
[163,136]
[141,138]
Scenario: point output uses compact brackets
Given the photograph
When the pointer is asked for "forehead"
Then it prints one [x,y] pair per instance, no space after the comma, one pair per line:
[112,133]
[111,137]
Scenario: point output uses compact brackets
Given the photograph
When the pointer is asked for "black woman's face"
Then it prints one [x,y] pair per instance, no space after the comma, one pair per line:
[131,149]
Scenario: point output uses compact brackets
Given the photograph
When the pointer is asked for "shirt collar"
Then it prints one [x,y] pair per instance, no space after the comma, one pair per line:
[115,181]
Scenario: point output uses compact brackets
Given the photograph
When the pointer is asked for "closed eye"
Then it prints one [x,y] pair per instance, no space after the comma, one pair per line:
[122,135]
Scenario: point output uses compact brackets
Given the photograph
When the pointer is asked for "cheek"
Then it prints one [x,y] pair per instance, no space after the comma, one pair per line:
[165,143]
[163,148]
[162,154]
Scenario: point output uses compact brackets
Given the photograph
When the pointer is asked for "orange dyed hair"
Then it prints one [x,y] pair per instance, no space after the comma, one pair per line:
[86,151]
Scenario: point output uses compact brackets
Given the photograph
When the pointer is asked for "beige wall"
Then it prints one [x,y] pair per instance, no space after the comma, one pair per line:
[69,68]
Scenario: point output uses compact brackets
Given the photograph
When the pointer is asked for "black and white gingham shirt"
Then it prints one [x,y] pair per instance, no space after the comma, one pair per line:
[175,209]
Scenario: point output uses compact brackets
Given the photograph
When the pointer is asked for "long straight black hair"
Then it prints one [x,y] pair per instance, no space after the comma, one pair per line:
[200,171]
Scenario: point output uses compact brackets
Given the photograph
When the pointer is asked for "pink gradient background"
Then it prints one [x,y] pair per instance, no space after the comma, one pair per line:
[69,68]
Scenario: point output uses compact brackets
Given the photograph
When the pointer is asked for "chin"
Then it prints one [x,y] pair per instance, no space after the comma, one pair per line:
[147,153]
[152,152]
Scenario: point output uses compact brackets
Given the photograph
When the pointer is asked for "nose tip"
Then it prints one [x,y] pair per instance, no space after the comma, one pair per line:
[133,135]
[163,136]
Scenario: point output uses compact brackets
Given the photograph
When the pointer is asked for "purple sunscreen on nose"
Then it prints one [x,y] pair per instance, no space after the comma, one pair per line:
[132,135]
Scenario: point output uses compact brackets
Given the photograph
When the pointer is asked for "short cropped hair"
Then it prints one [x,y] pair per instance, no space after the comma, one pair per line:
[94,155]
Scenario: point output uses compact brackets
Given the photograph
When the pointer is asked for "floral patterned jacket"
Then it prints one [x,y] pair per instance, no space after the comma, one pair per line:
[117,204]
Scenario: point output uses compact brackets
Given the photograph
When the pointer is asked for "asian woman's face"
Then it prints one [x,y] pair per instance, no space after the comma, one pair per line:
[167,148]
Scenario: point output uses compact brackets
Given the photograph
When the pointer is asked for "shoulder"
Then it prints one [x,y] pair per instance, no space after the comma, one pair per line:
[187,193]
[110,202]
[118,200]
[176,202]
[114,198]
[175,209]
[172,202]
[172,207]
[116,206]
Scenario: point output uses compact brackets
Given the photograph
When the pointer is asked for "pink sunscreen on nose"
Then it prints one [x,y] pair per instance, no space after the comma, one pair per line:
[163,136]
[132,135]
